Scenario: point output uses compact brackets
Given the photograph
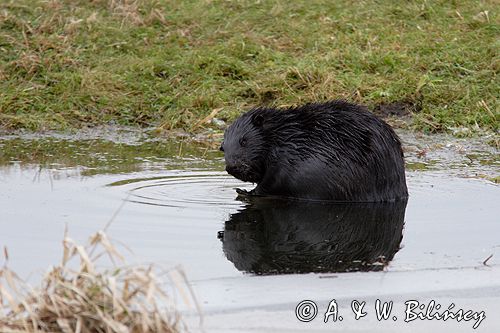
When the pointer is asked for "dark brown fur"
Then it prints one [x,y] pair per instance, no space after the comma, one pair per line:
[333,151]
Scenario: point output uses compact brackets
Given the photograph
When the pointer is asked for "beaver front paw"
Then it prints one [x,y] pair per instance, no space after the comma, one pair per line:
[245,192]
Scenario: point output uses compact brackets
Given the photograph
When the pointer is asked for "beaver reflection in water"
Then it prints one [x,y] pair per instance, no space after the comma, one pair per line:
[333,151]
[274,236]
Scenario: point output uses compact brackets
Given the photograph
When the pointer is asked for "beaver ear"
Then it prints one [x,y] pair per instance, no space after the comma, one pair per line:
[258,119]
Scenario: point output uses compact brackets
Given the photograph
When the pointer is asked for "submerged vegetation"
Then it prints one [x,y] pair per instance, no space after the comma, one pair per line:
[174,63]
[91,156]
[77,296]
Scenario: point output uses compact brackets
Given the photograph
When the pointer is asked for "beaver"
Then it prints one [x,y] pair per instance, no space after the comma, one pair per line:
[334,151]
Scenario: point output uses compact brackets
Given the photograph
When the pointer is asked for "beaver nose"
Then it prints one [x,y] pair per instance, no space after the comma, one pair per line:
[231,169]
[234,169]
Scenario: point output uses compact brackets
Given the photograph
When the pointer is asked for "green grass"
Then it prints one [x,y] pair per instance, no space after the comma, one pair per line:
[68,63]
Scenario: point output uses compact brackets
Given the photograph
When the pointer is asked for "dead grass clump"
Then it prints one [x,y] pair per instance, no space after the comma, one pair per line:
[29,62]
[128,9]
[137,12]
[76,296]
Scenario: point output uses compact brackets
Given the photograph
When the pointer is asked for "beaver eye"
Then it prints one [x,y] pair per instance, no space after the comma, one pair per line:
[243,142]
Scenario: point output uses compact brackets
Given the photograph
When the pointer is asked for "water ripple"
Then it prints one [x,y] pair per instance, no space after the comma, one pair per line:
[185,190]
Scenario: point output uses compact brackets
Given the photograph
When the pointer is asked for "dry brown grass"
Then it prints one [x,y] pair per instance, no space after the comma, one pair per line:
[78,296]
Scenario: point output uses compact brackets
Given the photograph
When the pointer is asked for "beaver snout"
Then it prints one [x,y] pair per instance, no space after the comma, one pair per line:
[233,170]
[243,172]
[240,171]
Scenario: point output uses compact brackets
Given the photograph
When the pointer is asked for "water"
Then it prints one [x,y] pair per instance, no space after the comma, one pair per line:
[180,208]
[281,236]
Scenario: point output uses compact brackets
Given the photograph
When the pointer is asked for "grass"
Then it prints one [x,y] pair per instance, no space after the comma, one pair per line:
[77,296]
[171,63]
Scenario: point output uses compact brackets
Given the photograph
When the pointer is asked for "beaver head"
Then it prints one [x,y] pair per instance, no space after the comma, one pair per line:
[245,146]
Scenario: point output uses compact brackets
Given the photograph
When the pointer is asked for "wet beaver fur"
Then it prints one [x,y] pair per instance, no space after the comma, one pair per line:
[335,151]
